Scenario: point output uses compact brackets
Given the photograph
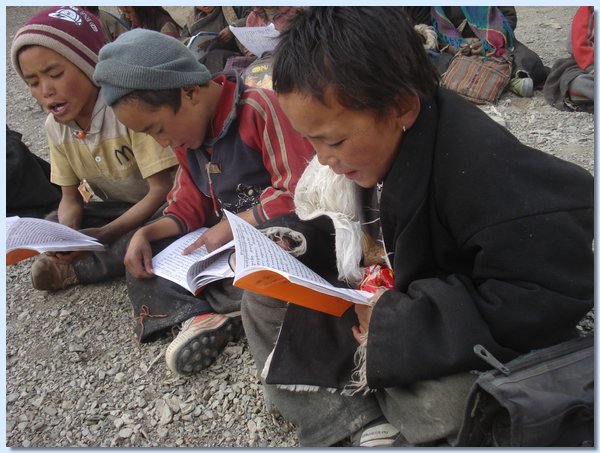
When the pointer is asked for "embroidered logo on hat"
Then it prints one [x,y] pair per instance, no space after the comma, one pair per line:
[68,15]
[71,15]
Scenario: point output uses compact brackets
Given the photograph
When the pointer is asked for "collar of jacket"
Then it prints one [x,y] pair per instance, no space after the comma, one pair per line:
[238,90]
[407,183]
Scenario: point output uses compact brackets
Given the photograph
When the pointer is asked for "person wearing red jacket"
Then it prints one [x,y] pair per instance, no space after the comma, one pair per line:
[570,85]
[236,150]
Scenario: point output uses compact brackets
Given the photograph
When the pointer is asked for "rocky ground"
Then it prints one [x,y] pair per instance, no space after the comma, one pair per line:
[74,373]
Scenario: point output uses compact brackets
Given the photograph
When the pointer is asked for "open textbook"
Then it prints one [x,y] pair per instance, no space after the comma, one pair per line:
[27,237]
[258,264]
[264,267]
[195,270]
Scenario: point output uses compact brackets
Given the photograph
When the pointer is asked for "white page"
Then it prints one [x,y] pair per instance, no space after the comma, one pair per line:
[44,235]
[254,249]
[257,40]
[210,269]
[173,265]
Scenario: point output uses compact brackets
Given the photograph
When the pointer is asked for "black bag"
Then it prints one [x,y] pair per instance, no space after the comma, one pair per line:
[29,192]
[543,398]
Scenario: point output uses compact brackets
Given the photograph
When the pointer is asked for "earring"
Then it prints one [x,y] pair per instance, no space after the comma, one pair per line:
[403,128]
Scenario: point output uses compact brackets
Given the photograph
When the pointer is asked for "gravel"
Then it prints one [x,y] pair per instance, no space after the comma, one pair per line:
[74,373]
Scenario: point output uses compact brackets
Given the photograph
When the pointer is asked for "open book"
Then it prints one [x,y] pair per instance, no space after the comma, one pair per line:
[258,264]
[197,269]
[27,237]
[264,267]
[257,40]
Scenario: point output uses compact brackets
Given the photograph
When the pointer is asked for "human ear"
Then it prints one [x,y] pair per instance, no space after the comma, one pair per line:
[408,107]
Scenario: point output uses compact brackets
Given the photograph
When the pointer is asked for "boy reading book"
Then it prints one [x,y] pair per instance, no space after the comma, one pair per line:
[92,154]
[237,151]
[490,241]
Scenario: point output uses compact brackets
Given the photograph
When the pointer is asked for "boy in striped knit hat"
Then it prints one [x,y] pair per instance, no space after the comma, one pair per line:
[92,155]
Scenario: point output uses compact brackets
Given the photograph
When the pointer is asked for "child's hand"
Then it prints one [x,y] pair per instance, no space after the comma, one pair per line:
[225,35]
[213,238]
[138,259]
[363,313]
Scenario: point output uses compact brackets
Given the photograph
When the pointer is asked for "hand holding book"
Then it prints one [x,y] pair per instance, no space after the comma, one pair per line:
[27,237]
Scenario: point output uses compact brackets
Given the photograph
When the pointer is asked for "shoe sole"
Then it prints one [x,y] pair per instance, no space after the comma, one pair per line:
[190,356]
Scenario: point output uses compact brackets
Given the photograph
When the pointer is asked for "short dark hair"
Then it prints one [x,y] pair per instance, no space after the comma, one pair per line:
[367,55]
[155,98]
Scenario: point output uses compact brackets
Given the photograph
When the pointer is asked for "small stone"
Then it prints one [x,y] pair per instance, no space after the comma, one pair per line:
[125,433]
[50,410]
[76,348]
[119,377]
[166,416]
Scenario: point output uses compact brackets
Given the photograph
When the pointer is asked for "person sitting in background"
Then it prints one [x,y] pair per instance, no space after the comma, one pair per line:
[153,18]
[487,30]
[237,151]
[92,155]
[490,241]
[570,85]
[112,26]
[261,16]
[279,16]
[213,52]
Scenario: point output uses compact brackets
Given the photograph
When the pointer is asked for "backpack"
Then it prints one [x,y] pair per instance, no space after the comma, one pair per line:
[540,399]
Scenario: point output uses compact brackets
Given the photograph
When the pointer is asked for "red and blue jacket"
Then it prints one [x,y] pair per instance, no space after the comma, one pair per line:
[253,160]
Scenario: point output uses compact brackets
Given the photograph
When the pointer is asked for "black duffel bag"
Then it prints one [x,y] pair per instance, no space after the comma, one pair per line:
[540,399]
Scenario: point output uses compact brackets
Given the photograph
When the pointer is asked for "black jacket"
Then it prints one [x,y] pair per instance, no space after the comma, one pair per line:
[491,243]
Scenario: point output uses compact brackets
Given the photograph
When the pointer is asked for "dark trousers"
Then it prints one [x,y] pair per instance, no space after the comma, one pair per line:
[159,304]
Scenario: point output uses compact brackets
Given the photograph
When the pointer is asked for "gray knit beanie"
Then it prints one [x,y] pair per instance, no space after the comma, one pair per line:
[143,59]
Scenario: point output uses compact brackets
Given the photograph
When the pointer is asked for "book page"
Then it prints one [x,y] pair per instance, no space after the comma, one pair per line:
[257,40]
[44,235]
[173,265]
[210,269]
[255,251]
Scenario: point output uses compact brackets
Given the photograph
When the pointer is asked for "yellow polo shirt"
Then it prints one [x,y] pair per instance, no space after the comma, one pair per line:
[113,159]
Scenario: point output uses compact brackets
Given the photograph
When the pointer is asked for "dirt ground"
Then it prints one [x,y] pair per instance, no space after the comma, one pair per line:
[74,374]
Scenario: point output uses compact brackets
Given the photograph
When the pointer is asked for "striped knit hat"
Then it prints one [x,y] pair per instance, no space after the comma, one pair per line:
[70,31]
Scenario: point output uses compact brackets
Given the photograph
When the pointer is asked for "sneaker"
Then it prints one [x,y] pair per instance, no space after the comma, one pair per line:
[201,340]
[378,433]
[50,276]
[521,86]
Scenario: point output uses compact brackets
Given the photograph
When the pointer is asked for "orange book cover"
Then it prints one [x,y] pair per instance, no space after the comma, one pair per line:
[264,267]
[275,285]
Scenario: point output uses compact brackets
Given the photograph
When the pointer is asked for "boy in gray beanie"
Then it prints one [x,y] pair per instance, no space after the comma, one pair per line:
[236,150]
[93,156]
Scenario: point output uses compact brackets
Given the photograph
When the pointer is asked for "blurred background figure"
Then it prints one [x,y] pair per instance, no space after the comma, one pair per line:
[570,84]
[206,32]
[112,26]
[491,28]
[256,69]
[152,18]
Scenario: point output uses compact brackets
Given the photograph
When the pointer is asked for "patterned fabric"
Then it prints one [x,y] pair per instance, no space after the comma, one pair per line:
[487,23]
